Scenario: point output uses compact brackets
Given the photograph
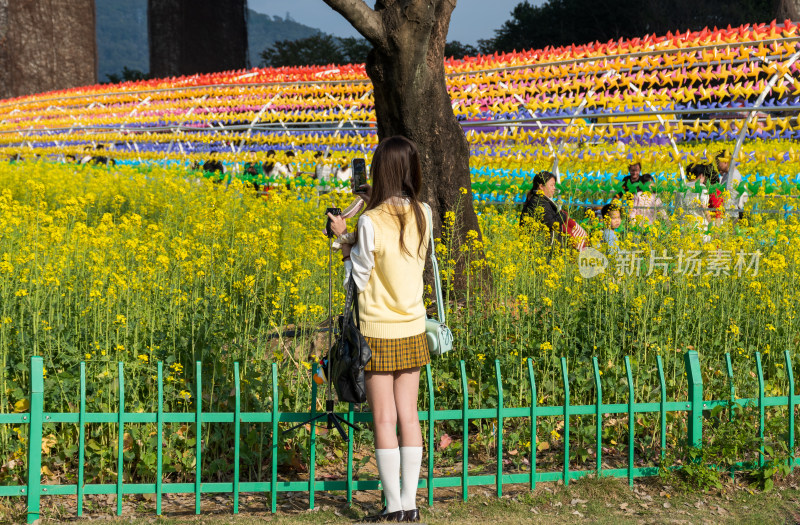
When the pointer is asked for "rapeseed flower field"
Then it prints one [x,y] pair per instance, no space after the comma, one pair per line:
[139,264]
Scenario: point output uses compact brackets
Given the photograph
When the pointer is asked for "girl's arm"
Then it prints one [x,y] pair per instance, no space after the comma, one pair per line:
[361,255]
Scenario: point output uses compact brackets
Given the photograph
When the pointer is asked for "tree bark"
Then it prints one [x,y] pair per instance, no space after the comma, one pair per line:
[788,10]
[46,45]
[196,36]
[406,66]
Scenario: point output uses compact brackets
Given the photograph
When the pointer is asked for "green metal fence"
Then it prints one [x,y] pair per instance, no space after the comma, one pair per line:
[693,407]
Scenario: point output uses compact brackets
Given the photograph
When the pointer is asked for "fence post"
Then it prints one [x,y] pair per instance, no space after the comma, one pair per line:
[695,434]
[732,386]
[120,435]
[565,378]
[499,428]
[81,438]
[431,442]
[790,431]
[160,439]
[350,438]
[237,430]
[465,432]
[662,406]
[273,507]
[598,387]
[534,399]
[760,372]
[631,419]
[198,444]
[35,438]
[732,402]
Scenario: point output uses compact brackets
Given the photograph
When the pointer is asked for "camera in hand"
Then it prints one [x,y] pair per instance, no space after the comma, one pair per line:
[359,179]
[332,211]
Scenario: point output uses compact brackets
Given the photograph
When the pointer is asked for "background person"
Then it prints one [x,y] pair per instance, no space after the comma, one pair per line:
[731,178]
[632,178]
[695,202]
[540,206]
[323,172]
[386,263]
[645,202]
[273,168]
[344,172]
[612,219]
[215,170]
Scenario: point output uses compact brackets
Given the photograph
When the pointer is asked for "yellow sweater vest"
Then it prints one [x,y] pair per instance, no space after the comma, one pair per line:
[391,306]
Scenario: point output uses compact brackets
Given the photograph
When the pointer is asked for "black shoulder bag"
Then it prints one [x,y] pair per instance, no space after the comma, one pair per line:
[350,353]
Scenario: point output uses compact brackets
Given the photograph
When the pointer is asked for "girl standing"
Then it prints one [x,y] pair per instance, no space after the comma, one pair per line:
[386,263]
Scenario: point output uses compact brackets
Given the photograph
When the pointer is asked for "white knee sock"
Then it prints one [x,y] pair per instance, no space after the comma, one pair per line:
[410,461]
[388,460]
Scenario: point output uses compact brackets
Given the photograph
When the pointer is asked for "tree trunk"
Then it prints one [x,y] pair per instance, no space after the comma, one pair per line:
[46,45]
[406,67]
[196,36]
[788,10]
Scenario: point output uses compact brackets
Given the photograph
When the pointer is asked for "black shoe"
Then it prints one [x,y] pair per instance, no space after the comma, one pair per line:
[412,515]
[384,516]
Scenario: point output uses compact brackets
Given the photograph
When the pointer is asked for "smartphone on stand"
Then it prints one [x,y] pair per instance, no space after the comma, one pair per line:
[359,180]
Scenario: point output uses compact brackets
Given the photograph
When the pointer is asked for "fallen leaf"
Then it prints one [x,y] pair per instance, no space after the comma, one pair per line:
[127,442]
[48,442]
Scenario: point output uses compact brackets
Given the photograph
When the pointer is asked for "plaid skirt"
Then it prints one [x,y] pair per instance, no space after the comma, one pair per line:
[389,355]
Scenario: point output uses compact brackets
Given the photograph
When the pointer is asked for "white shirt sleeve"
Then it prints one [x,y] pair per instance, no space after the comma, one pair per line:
[362,256]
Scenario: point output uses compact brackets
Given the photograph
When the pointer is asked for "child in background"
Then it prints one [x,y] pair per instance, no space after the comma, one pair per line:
[645,202]
[612,217]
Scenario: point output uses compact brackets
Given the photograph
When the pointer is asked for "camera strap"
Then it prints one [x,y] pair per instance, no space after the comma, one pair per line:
[356,206]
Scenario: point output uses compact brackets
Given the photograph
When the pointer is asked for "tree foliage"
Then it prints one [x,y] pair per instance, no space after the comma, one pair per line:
[316,50]
[323,49]
[264,30]
[567,22]
[456,49]
[127,75]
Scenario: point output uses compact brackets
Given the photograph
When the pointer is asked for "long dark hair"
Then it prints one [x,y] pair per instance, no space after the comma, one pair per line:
[539,180]
[397,172]
[269,163]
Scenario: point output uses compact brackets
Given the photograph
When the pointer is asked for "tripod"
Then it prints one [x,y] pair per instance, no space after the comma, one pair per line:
[334,420]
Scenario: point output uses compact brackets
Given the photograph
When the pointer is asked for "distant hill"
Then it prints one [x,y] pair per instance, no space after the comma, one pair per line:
[265,30]
[122,35]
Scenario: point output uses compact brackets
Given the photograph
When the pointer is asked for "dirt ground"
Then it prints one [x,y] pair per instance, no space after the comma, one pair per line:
[603,500]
